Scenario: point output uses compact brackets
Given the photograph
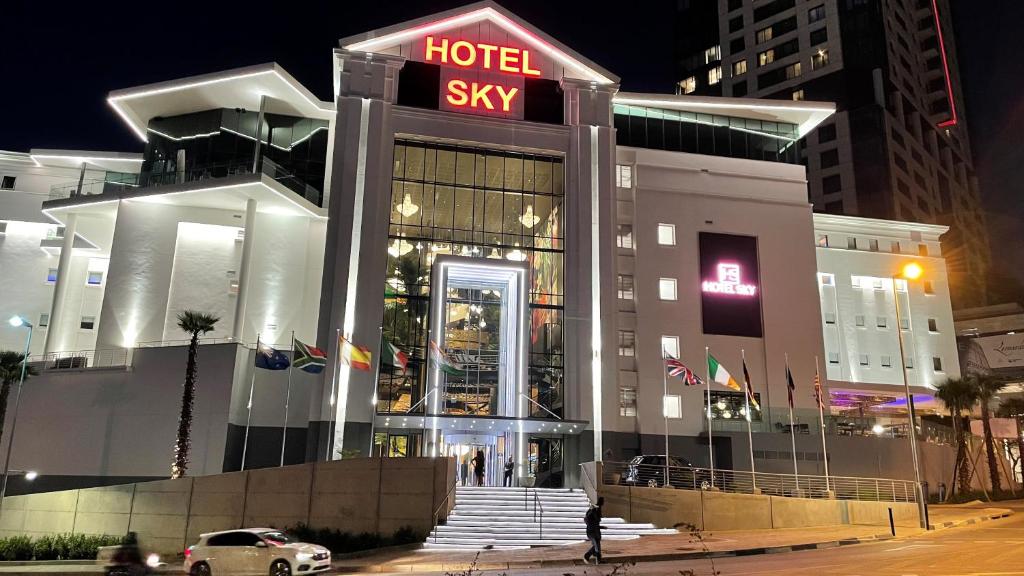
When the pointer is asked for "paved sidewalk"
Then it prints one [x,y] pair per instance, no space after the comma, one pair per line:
[683,546]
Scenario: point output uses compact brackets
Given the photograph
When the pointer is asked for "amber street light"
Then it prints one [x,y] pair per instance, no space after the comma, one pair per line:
[910,271]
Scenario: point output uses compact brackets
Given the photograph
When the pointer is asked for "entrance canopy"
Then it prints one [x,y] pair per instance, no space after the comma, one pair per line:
[477,424]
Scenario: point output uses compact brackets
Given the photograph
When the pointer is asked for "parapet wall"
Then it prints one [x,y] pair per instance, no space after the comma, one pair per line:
[356,495]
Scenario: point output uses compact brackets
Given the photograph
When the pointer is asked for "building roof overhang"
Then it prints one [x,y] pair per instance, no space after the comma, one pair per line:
[236,88]
[875,225]
[382,39]
[110,161]
[805,115]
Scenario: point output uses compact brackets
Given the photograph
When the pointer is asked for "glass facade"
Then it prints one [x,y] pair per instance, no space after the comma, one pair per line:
[221,142]
[477,203]
[711,134]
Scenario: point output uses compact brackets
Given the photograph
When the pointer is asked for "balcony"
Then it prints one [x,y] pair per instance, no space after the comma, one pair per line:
[126,184]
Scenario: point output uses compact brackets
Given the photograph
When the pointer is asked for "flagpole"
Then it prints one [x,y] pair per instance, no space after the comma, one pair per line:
[664,405]
[792,433]
[248,417]
[287,398]
[707,380]
[331,424]
[746,403]
[821,416]
[373,397]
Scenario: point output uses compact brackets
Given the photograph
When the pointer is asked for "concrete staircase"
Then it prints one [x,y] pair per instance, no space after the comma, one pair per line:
[504,519]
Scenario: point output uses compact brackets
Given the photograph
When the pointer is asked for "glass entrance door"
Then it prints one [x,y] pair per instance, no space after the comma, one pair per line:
[467,447]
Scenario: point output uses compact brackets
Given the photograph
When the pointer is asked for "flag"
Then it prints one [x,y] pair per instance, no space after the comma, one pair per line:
[790,385]
[444,362]
[817,392]
[749,387]
[390,355]
[678,369]
[720,375]
[358,357]
[269,358]
[308,358]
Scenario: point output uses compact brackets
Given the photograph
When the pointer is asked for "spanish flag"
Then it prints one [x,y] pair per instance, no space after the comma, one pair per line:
[358,357]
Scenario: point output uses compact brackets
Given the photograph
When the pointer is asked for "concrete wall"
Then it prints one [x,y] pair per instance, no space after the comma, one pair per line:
[708,510]
[355,495]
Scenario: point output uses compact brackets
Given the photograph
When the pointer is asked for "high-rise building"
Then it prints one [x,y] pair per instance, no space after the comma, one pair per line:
[897,147]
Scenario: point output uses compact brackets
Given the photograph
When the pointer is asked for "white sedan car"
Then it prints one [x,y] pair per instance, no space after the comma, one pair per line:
[264,551]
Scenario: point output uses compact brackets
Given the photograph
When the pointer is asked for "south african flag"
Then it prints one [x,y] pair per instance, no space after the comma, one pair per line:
[308,358]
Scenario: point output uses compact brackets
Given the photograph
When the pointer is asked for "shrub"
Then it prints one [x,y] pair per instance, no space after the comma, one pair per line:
[16,548]
[406,535]
[56,547]
[45,548]
[339,542]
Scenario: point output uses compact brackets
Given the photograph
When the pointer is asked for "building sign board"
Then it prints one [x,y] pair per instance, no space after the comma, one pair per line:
[1003,351]
[730,285]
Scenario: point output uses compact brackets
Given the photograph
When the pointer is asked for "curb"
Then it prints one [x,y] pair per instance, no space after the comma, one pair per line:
[968,521]
[609,560]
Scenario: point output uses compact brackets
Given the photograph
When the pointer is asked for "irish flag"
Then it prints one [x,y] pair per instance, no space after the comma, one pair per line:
[390,355]
[720,375]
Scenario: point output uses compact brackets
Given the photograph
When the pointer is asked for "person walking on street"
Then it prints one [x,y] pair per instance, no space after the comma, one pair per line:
[593,522]
[510,466]
[478,467]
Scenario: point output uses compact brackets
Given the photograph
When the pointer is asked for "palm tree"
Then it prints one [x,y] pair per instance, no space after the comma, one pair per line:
[987,387]
[1013,408]
[195,323]
[10,373]
[959,395]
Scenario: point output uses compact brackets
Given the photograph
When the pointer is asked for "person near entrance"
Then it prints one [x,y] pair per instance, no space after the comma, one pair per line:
[510,466]
[593,522]
[478,467]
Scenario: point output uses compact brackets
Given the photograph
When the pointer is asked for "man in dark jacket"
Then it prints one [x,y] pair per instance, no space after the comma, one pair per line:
[593,522]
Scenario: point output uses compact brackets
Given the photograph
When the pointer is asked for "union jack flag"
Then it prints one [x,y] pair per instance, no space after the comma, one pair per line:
[678,369]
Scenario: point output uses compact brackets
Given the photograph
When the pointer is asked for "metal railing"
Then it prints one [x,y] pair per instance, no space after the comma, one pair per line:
[187,341]
[78,359]
[444,505]
[130,182]
[538,506]
[741,481]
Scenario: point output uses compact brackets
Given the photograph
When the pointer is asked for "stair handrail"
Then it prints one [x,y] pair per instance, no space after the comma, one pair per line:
[536,505]
[443,503]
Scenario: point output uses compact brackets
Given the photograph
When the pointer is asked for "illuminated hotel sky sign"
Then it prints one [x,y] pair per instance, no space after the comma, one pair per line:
[481,77]
[730,285]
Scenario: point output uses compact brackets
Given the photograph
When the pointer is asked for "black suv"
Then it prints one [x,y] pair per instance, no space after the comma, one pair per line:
[649,470]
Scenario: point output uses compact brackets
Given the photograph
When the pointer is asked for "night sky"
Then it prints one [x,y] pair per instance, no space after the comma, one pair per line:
[58,63]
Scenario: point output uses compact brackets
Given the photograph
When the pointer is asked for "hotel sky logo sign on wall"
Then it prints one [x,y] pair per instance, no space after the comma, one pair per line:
[481,77]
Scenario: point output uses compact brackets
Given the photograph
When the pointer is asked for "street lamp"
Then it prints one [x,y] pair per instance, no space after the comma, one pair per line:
[910,271]
[17,322]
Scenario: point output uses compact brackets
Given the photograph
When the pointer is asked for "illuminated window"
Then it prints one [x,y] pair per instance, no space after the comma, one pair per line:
[823,240]
[922,249]
[793,71]
[7,183]
[763,35]
[627,343]
[94,279]
[816,13]
[51,275]
[928,287]
[624,239]
[933,325]
[627,401]
[624,175]
[667,288]
[739,68]
[670,345]
[714,75]
[625,286]
[87,323]
[713,54]
[894,247]
[798,95]
[936,363]
[819,59]
[766,57]
[688,85]
[667,234]
[827,279]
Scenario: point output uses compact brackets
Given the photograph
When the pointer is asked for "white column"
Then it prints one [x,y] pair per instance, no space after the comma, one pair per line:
[60,287]
[244,269]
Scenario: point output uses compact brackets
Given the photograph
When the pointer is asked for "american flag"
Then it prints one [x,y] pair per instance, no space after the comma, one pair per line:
[678,369]
[817,392]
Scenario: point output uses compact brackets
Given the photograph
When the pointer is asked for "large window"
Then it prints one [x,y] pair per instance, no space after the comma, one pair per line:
[476,203]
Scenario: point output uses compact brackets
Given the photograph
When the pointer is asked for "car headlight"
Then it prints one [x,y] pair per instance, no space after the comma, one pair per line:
[152,561]
[303,556]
